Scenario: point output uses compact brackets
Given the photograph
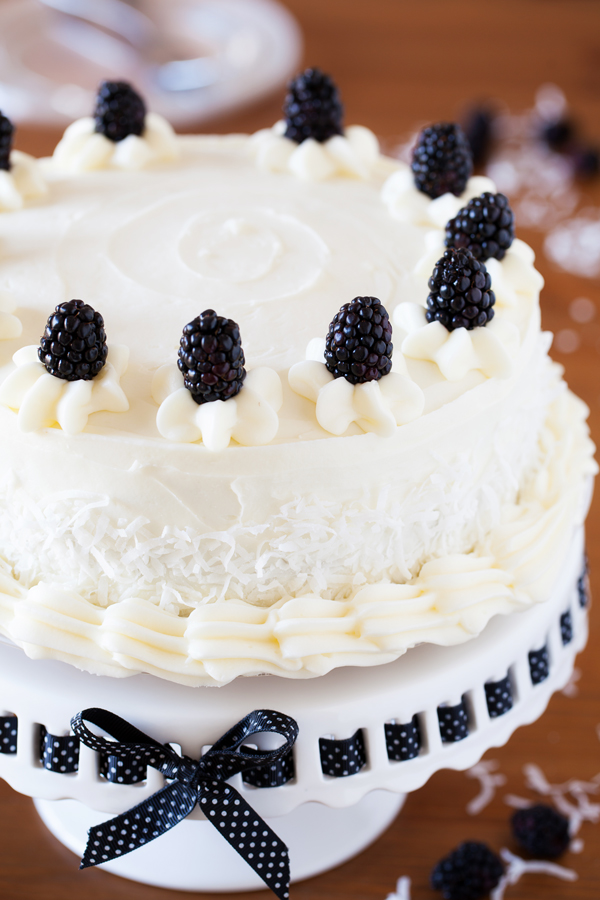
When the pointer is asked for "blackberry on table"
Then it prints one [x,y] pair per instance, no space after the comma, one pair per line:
[557,134]
[73,346]
[478,126]
[442,161]
[211,358]
[358,346]
[485,226]
[468,873]
[541,830]
[460,292]
[7,130]
[120,111]
[313,108]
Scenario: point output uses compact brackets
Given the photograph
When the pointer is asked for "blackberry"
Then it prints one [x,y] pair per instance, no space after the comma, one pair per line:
[120,111]
[313,108]
[7,130]
[541,830]
[460,292]
[586,162]
[73,346]
[478,126]
[468,873]
[557,134]
[442,162]
[359,345]
[485,226]
[211,358]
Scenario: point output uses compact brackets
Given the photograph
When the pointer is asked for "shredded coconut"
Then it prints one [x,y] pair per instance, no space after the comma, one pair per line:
[574,245]
[489,779]
[402,889]
[516,867]
[570,689]
[577,812]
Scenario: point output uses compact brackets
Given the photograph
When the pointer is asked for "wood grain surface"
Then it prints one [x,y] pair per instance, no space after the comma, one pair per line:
[400,65]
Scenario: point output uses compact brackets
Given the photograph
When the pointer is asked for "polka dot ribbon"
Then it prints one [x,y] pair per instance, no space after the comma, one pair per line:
[191,782]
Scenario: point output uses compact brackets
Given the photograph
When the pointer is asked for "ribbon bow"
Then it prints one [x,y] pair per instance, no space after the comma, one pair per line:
[191,782]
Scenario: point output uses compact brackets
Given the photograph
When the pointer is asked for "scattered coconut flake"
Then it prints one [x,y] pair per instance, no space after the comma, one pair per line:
[539,182]
[582,310]
[516,867]
[550,102]
[566,340]
[517,802]
[489,780]
[583,810]
[402,889]
[577,846]
[575,245]
[570,689]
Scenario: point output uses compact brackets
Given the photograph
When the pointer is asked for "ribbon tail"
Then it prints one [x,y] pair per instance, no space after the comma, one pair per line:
[248,834]
[139,825]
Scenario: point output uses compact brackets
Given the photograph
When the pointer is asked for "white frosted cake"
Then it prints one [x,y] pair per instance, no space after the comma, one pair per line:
[307,522]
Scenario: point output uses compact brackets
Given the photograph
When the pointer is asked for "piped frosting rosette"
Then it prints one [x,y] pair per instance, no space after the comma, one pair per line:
[490,350]
[355,382]
[377,406]
[250,418]
[20,175]
[10,325]
[208,396]
[121,135]
[407,204]
[72,374]
[354,154]
[23,181]
[42,400]
[448,601]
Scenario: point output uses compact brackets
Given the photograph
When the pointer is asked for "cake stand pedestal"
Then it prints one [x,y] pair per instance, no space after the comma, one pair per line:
[323,819]
[318,838]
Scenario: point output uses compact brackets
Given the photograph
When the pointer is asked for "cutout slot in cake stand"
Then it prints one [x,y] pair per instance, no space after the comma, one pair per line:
[325,820]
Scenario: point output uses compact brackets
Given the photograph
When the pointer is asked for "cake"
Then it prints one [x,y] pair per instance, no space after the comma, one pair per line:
[308,520]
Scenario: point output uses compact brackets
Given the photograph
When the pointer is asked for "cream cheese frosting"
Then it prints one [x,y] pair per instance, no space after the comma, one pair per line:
[82,149]
[250,418]
[10,325]
[43,400]
[126,550]
[23,181]
[353,154]
[449,601]
[377,406]
[407,204]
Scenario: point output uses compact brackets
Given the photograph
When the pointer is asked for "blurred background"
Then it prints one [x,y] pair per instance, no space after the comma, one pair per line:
[524,77]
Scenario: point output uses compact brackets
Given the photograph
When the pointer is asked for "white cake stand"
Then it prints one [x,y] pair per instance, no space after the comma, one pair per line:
[323,820]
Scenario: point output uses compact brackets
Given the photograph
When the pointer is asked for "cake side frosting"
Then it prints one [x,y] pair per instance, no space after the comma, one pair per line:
[450,600]
[310,549]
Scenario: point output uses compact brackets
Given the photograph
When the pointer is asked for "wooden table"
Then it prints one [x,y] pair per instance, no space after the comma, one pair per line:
[400,65]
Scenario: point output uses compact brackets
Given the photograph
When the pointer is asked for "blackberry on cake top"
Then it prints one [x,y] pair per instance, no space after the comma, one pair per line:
[541,830]
[120,111]
[470,872]
[313,108]
[211,358]
[73,346]
[7,130]
[358,346]
[485,226]
[442,161]
[460,292]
